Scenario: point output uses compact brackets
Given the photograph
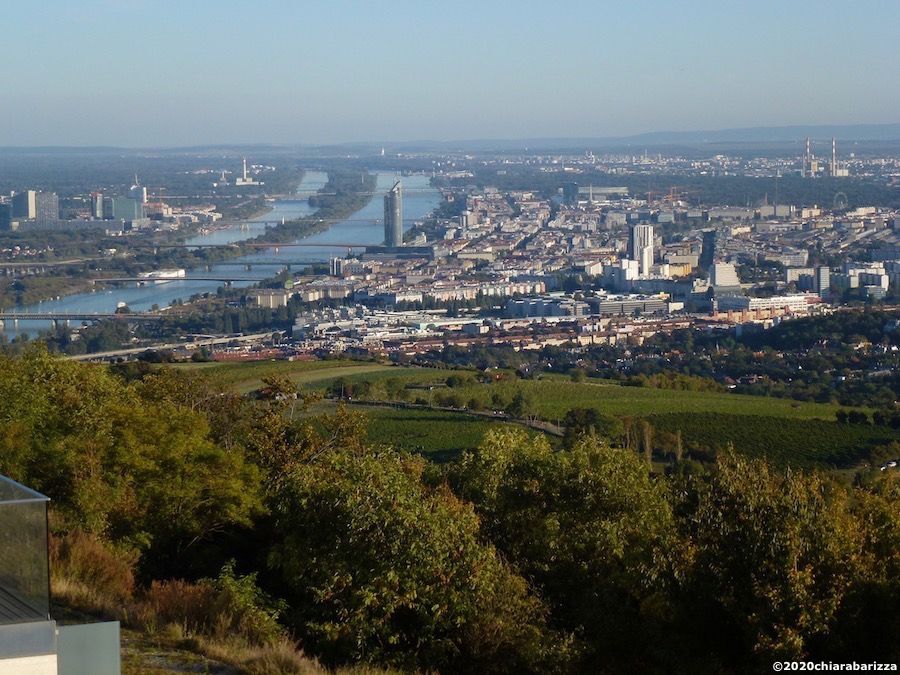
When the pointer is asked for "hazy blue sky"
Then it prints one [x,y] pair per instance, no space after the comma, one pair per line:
[176,72]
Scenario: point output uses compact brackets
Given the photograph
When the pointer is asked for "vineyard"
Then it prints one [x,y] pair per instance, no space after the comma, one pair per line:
[806,443]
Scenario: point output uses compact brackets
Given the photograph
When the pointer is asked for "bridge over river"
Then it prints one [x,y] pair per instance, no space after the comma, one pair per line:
[149,281]
[56,317]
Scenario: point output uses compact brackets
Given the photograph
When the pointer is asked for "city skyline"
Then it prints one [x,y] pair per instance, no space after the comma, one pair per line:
[208,73]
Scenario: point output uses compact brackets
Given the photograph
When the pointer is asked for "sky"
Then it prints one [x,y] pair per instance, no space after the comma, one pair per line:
[142,73]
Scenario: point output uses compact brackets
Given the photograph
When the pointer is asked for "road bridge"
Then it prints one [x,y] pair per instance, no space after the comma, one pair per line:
[374,222]
[56,317]
[144,281]
[262,245]
[247,264]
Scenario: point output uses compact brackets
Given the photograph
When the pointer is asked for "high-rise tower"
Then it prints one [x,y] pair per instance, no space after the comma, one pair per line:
[708,251]
[393,216]
[47,208]
[24,205]
[640,246]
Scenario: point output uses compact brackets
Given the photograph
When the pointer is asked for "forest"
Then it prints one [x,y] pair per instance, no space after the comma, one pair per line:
[717,190]
[250,527]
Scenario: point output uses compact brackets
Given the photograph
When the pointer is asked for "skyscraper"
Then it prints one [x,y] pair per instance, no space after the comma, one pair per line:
[31,205]
[46,207]
[393,216]
[708,251]
[823,279]
[640,246]
[97,205]
[24,205]
[139,193]
[5,216]
[124,208]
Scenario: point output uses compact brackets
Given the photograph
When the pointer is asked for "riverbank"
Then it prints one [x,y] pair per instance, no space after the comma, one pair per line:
[22,291]
[345,197]
[19,292]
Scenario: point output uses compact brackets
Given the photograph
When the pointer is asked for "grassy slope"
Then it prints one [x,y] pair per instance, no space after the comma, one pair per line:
[439,434]
[797,432]
[553,398]
[248,376]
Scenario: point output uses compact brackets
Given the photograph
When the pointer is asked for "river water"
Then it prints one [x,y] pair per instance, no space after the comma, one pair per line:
[364,227]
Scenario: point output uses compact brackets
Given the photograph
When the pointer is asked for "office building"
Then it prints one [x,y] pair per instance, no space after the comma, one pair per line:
[393,216]
[24,205]
[794,303]
[46,208]
[708,251]
[31,205]
[138,192]
[723,275]
[123,208]
[97,205]
[640,247]
[823,280]
[5,216]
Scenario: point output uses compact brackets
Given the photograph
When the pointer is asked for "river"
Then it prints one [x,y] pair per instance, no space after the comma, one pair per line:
[363,227]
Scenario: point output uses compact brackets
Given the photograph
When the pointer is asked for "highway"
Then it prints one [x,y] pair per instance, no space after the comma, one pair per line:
[134,351]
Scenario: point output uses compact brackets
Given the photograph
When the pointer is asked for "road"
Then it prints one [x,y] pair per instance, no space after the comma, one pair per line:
[207,342]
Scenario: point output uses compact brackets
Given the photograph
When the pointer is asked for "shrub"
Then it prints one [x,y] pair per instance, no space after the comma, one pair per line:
[90,572]
[228,606]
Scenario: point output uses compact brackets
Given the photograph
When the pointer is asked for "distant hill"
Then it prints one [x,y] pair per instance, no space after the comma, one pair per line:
[846,132]
[862,133]
[657,139]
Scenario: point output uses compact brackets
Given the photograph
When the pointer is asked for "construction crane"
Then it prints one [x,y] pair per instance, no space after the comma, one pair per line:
[676,193]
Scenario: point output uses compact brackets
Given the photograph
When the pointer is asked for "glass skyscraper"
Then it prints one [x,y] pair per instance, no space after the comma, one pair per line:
[393,217]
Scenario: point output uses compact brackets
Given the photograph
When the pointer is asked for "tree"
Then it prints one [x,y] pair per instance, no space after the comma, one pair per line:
[857,417]
[396,573]
[521,405]
[647,440]
[581,422]
[772,556]
[137,469]
[588,527]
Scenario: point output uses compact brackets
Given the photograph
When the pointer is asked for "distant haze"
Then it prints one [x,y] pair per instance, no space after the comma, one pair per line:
[169,72]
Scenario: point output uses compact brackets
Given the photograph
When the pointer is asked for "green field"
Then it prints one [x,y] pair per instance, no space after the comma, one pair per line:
[553,398]
[244,377]
[799,433]
[436,433]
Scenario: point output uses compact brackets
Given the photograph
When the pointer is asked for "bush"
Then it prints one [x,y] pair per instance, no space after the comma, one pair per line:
[88,574]
[226,607]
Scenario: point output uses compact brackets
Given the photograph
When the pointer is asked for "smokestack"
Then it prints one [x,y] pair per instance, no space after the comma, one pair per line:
[833,157]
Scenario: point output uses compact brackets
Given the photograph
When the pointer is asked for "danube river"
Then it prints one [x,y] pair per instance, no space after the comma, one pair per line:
[364,227]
